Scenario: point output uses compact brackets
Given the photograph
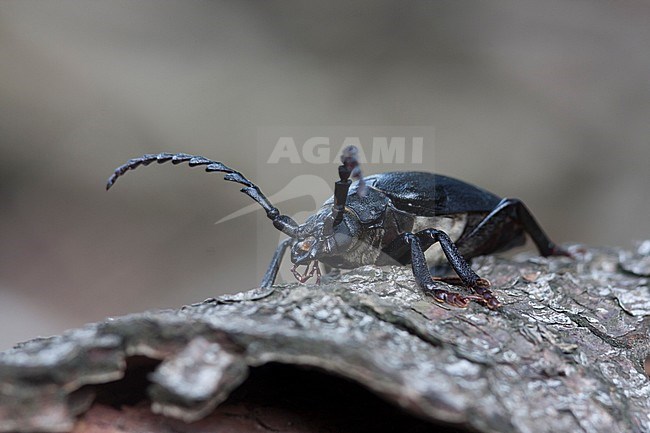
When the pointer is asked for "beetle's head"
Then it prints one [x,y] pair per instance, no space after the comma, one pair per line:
[334,230]
[321,238]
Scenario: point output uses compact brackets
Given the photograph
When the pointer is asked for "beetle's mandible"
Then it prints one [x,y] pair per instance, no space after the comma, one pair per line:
[391,218]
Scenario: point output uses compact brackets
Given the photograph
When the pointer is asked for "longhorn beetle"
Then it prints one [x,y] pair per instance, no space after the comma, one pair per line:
[391,218]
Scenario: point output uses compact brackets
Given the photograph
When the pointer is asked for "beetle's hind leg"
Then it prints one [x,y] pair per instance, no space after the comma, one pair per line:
[422,240]
[496,237]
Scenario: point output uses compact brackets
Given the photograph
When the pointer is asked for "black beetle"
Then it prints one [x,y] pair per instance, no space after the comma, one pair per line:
[391,218]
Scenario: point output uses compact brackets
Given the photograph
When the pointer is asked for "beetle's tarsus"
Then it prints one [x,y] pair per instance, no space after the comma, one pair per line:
[481,287]
[487,298]
[454,299]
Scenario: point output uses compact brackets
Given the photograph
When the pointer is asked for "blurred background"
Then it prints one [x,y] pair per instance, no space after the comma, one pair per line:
[545,101]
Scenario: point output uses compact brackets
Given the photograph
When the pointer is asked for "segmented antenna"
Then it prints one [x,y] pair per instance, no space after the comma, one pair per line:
[250,189]
[349,168]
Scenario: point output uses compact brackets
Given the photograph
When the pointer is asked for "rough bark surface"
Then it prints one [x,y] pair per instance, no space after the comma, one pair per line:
[567,352]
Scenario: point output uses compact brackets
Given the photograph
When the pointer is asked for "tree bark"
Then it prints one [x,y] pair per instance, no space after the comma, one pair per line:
[365,351]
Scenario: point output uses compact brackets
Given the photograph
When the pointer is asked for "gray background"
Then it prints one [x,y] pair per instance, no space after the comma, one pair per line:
[545,101]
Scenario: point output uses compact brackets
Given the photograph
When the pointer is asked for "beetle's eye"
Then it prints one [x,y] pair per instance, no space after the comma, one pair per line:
[307,243]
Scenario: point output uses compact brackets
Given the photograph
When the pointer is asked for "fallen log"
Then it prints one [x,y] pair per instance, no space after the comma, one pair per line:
[364,351]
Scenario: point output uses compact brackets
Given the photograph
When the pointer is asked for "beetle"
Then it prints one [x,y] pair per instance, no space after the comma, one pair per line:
[391,218]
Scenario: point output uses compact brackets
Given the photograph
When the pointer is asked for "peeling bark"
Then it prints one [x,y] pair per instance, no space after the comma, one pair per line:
[567,352]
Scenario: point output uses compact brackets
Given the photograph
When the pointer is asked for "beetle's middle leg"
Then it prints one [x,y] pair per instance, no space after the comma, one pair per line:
[274,267]
[418,243]
[458,263]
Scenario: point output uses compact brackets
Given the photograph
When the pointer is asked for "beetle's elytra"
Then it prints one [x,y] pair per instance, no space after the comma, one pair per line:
[391,218]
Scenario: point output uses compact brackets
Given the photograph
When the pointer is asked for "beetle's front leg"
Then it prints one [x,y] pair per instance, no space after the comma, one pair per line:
[274,266]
